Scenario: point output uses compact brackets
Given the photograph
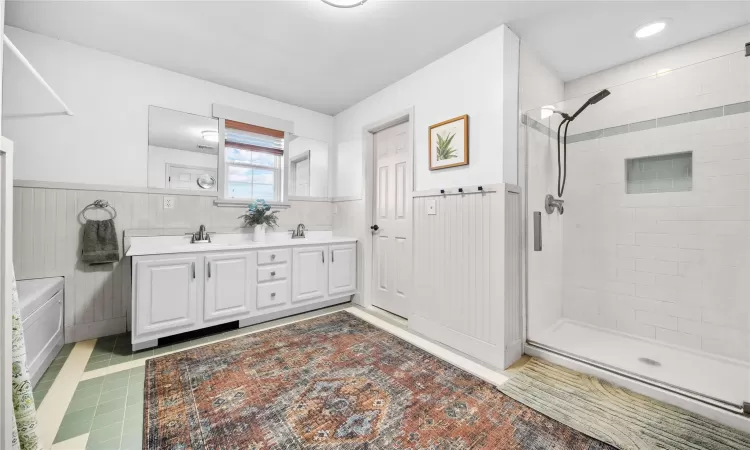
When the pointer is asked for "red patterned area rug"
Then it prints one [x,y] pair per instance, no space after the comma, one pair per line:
[334,382]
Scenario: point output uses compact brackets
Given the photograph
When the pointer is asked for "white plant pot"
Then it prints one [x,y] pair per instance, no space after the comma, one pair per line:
[259,233]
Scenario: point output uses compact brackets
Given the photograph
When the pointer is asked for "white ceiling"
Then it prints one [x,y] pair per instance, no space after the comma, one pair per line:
[326,59]
[593,36]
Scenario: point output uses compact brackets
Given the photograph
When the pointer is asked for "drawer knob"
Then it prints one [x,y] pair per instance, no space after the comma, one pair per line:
[273,256]
[273,274]
[273,294]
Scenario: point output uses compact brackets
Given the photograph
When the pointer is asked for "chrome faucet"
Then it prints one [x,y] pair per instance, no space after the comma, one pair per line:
[200,237]
[300,233]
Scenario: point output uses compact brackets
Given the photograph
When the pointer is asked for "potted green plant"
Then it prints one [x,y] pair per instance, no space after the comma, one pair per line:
[259,216]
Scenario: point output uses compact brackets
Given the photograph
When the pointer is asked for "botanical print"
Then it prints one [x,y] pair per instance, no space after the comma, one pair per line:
[444,149]
[449,143]
[24,418]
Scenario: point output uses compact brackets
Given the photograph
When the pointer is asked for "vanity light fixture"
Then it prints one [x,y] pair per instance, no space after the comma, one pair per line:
[210,135]
[344,3]
[650,29]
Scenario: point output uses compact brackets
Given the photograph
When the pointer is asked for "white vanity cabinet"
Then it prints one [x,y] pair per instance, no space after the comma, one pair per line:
[188,290]
[165,295]
[342,269]
[229,286]
[310,274]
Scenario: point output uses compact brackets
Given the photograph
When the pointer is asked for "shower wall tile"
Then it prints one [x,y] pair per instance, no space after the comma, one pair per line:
[677,262]
[677,338]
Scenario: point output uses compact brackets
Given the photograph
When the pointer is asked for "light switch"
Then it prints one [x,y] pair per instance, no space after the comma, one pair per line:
[431,207]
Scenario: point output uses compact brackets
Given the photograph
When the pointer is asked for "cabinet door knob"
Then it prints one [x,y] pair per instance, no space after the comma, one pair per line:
[273,256]
[273,294]
[273,274]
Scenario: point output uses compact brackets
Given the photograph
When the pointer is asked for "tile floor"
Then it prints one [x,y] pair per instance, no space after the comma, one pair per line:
[45,382]
[106,409]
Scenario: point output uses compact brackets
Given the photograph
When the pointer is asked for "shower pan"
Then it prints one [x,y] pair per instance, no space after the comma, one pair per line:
[645,275]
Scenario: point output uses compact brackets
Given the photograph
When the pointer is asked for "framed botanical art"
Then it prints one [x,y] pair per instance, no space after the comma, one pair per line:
[449,143]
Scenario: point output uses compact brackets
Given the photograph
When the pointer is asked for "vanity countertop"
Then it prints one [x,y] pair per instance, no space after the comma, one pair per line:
[162,245]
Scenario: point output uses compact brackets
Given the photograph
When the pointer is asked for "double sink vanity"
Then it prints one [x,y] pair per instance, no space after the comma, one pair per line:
[179,286]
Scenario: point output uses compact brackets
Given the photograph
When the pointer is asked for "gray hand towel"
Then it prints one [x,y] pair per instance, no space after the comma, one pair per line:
[100,242]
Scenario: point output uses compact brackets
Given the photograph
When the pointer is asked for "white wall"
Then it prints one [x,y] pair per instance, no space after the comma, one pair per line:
[319,161]
[540,85]
[475,80]
[106,142]
[159,157]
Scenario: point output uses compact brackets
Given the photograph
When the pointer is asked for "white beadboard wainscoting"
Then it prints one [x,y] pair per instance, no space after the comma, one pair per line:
[47,233]
[467,271]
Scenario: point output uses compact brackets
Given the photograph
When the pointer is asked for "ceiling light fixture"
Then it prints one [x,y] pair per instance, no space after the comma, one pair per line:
[210,135]
[650,29]
[344,3]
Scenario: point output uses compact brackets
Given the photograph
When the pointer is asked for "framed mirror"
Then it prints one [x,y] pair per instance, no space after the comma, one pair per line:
[183,150]
[308,168]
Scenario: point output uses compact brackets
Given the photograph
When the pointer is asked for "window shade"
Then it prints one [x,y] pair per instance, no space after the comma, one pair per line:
[251,137]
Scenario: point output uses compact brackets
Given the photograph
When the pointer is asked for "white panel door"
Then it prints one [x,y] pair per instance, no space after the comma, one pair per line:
[310,273]
[342,270]
[392,217]
[229,286]
[167,294]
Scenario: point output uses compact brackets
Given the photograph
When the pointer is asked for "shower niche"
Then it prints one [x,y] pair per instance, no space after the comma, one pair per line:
[661,173]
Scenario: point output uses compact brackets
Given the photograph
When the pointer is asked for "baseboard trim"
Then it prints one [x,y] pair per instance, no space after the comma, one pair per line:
[93,330]
[294,311]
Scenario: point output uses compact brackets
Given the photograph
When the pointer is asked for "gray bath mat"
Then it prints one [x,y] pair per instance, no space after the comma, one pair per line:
[614,415]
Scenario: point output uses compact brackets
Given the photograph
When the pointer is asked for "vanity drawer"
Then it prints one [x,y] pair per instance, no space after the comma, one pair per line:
[272,273]
[271,294]
[273,256]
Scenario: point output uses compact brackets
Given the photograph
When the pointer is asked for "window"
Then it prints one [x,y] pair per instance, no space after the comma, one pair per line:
[253,161]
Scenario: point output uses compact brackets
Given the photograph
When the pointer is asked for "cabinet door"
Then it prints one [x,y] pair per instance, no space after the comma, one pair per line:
[167,294]
[342,269]
[309,273]
[229,287]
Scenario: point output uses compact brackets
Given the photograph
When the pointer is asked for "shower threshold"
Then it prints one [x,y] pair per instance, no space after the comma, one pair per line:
[716,380]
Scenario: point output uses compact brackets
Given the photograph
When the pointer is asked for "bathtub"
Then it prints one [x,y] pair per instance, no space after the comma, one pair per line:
[41,302]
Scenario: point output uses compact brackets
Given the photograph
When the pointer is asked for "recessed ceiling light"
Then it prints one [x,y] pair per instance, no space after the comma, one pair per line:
[650,29]
[210,135]
[344,3]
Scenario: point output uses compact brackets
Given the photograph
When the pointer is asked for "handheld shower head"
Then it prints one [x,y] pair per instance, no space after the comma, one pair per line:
[596,98]
[562,175]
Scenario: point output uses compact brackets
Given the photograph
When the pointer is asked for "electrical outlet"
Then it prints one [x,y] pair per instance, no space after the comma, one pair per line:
[431,208]
[168,202]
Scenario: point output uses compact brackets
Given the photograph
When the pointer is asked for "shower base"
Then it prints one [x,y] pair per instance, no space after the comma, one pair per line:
[722,379]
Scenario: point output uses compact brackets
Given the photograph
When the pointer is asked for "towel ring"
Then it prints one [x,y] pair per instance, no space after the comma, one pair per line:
[102,204]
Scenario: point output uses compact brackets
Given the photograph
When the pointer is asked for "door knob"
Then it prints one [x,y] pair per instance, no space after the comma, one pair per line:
[374,228]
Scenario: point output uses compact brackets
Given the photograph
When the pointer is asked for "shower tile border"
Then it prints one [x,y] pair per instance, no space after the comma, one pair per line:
[660,122]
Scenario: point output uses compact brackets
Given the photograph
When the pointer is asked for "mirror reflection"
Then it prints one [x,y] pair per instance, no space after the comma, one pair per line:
[308,168]
[183,150]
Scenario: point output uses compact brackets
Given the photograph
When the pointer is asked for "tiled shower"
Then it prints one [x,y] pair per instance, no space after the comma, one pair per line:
[646,271]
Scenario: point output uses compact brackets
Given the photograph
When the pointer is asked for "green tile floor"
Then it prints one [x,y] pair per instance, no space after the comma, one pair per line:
[44,383]
[110,409]
[113,350]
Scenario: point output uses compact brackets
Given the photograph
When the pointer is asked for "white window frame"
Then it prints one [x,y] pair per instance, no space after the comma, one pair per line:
[224,113]
[278,178]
